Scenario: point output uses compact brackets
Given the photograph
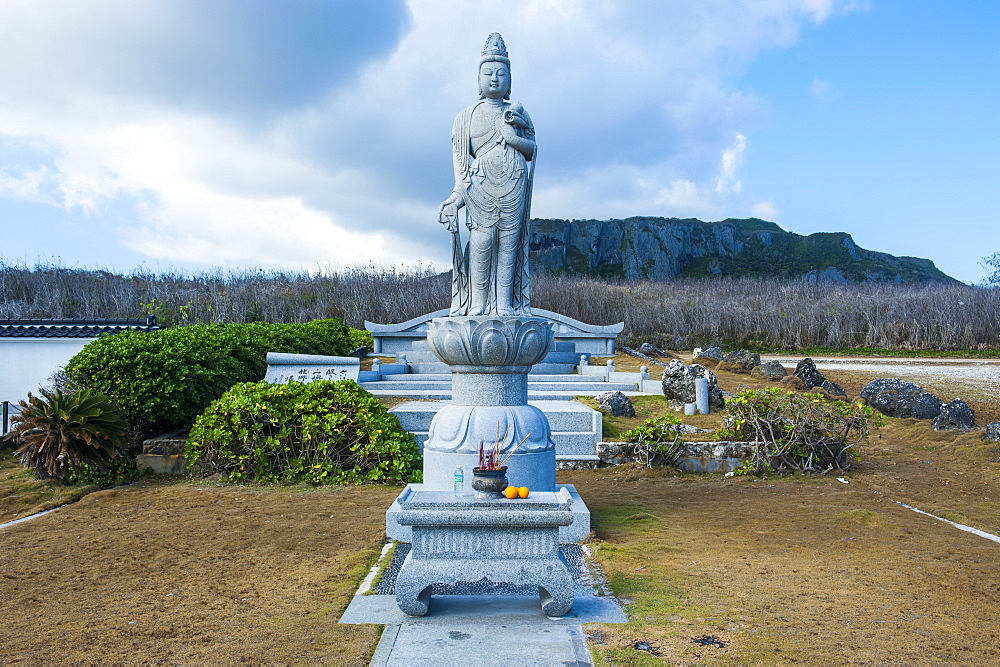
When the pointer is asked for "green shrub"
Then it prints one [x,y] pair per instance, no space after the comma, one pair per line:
[321,432]
[58,432]
[656,441]
[165,379]
[120,470]
[792,431]
[359,337]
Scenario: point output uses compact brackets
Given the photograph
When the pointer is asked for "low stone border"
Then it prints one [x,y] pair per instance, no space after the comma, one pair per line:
[713,456]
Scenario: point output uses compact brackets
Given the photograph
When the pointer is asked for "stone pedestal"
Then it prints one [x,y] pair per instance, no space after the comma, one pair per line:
[489,358]
[504,541]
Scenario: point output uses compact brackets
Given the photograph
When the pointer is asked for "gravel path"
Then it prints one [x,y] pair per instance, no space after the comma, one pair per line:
[978,375]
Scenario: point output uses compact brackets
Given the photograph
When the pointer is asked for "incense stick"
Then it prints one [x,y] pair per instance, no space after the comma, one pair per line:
[515,449]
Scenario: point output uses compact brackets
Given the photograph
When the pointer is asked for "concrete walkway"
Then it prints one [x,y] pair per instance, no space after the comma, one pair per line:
[482,645]
[483,629]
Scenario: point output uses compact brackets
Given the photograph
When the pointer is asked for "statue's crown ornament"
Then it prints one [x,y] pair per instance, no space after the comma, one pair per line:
[495,50]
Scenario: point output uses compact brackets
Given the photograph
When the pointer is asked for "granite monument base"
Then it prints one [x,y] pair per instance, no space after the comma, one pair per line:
[503,541]
[568,534]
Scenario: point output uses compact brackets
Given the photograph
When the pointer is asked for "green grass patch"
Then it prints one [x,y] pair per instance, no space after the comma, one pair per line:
[859,517]
[646,407]
[659,599]
[383,566]
[612,522]
[22,496]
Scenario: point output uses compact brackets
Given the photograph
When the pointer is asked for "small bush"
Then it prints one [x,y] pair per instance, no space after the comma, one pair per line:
[656,441]
[165,379]
[793,431]
[120,470]
[729,367]
[360,337]
[322,432]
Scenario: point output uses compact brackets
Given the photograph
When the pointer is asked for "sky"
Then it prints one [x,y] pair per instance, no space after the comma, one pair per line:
[182,135]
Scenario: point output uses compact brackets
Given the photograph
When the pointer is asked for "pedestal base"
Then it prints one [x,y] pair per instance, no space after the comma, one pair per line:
[570,534]
[416,577]
[503,541]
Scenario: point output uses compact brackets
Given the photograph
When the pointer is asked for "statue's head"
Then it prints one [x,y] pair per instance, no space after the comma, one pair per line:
[494,67]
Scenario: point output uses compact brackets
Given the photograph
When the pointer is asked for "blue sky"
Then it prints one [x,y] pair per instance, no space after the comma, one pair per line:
[182,134]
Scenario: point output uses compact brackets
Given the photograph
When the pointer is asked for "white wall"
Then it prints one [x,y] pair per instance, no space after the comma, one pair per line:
[27,363]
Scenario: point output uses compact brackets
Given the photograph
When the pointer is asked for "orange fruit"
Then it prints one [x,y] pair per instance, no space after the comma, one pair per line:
[523,492]
[510,492]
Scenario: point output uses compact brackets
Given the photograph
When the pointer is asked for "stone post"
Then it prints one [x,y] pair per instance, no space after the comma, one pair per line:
[701,394]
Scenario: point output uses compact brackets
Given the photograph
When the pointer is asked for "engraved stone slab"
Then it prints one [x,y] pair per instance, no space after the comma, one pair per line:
[283,367]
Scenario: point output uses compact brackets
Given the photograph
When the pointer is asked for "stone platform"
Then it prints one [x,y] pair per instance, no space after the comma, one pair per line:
[568,534]
[510,541]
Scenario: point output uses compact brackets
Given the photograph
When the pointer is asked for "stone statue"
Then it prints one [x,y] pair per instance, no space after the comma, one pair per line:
[493,151]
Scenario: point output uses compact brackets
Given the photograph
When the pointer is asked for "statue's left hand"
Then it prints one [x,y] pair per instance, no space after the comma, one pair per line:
[515,119]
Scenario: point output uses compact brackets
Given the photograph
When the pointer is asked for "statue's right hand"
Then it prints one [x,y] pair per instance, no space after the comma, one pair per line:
[448,215]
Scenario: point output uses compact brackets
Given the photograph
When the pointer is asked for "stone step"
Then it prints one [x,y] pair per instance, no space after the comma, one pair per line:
[561,369]
[533,377]
[571,358]
[547,395]
[568,444]
[418,377]
[599,387]
[428,357]
[439,386]
[442,395]
[561,359]
[436,367]
[573,443]
[569,416]
[557,346]
[411,385]
[560,377]
[428,367]
[421,357]
[416,416]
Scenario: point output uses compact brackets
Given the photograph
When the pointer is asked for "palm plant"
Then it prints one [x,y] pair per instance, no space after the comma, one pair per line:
[57,430]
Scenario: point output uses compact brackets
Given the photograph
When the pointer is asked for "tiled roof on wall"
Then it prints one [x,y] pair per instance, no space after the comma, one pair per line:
[73,328]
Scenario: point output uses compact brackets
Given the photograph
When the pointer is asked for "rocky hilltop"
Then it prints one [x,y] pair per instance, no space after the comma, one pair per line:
[662,248]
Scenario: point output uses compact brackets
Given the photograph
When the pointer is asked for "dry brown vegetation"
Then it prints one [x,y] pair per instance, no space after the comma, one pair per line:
[167,572]
[771,313]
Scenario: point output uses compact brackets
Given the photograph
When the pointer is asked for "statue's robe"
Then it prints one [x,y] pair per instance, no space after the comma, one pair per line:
[495,182]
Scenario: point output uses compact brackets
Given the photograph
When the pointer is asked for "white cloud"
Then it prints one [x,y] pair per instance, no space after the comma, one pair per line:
[765,210]
[732,158]
[26,184]
[820,89]
[194,224]
[636,104]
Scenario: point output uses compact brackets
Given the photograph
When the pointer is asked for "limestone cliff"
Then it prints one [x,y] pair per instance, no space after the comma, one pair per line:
[662,248]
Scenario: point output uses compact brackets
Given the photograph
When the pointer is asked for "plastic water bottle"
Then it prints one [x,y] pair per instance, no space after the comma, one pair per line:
[459,482]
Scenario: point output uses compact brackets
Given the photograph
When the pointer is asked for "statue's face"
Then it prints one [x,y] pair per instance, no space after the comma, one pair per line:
[494,80]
